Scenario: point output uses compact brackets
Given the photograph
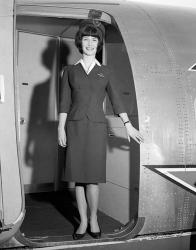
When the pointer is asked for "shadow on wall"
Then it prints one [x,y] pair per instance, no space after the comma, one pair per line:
[41,145]
[64,55]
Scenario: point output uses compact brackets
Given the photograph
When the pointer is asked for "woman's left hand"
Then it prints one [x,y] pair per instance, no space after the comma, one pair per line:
[133,133]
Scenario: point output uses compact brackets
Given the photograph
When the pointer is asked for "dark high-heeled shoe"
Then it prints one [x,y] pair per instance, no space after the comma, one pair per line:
[78,236]
[95,235]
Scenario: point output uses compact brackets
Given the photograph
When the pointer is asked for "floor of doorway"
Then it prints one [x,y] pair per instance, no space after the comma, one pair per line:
[53,215]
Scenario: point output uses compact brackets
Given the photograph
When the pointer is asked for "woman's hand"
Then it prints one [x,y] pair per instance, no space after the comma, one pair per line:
[133,133]
[62,138]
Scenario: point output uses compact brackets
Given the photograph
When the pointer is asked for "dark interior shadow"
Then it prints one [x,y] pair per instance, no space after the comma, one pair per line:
[57,214]
[41,150]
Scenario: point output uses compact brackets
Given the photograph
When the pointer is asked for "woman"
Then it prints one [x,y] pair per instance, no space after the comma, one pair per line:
[84,86]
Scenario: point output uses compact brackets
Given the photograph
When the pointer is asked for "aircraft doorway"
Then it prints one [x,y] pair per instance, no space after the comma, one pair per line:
[42,51]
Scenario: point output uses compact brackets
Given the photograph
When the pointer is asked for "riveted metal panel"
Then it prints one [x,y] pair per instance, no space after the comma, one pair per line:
[165,95]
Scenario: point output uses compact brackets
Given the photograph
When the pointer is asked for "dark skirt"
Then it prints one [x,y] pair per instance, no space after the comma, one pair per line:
[86,151]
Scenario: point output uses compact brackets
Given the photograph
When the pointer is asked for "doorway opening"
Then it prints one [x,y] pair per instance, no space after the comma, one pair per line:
[44,46]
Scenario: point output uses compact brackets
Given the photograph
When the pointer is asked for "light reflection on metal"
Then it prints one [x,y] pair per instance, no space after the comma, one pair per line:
[2,89]
[153,153]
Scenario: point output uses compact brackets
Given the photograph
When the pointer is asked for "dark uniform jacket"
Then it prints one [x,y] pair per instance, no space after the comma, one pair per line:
[83,94]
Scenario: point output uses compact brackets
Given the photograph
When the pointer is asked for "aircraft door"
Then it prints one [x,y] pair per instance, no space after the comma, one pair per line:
[38,110]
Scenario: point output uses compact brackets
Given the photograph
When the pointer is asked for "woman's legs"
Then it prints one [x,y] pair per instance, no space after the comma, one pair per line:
[82,208]
[92,194]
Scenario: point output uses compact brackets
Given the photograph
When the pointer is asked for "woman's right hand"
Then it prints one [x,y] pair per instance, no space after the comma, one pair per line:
[62,138]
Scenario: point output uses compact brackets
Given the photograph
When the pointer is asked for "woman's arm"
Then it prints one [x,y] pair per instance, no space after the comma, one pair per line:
[131,131]
[61,130]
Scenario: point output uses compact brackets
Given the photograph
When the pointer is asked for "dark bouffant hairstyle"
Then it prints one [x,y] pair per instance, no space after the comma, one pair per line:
[89,29]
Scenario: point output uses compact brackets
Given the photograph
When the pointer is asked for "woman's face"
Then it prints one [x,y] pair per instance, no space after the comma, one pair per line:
[89,45]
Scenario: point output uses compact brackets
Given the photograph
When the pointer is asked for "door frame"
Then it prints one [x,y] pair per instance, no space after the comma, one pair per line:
[132,228]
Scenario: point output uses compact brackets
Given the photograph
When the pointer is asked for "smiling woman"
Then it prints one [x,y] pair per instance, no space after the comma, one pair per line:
[89,45]
[82,126]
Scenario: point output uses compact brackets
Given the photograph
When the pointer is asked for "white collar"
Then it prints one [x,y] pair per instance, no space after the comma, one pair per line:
[91,67]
